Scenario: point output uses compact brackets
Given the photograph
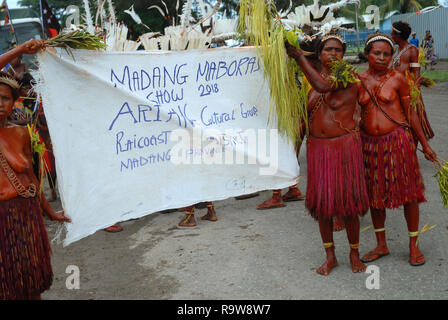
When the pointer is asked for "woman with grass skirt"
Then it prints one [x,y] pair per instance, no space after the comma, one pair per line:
[25,266]
[335,171]
[392,171]
[407,61]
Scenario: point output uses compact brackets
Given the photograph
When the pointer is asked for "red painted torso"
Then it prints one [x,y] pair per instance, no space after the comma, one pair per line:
[374,121]
[14,142]
[335,115]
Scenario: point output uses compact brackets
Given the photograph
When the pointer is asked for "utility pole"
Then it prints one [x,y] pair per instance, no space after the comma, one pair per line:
[357,27]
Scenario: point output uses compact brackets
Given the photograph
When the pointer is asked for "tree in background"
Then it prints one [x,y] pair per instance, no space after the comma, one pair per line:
[151,18]
[57,6]
[157,23]
[385,6]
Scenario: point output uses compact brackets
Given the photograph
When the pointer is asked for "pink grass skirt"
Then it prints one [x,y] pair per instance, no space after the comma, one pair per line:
[391,168]
[335,173]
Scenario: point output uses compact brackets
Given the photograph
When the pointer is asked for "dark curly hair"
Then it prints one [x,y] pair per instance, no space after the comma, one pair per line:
[369,46]
[310,47]
[27,80]
[321,44]
[404,28]
[15,92]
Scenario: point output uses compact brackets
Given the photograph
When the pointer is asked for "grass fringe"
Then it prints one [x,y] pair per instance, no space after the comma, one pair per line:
[259,23]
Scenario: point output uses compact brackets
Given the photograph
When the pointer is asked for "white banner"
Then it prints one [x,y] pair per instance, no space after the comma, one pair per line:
[136,133]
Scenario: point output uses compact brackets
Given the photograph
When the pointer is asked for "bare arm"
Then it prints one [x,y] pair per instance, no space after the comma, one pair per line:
[46,207]
[29,47]
[405,99]
[300,140]
[415,70]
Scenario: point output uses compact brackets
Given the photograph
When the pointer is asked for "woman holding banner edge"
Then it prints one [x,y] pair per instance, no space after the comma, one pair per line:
[25,264]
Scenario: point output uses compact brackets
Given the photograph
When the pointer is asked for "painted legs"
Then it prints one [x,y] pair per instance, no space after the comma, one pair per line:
[190,221]
[411,214]
[326,232]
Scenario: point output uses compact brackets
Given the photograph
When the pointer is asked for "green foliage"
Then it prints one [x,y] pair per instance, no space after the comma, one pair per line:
[57,6]
[152,18]
[437,76]
[291,36]
[414,90]
[77,40]
[288,103]
[36,145]
[343,73]
[385,6]
[442,179]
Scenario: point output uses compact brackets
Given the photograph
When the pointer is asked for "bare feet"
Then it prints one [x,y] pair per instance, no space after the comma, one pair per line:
[293,194]
[210,216]
[274,202]
[329,264]
[115,228]
[338,224]
[357,265]
[416,258]
[375,254]
[188,221]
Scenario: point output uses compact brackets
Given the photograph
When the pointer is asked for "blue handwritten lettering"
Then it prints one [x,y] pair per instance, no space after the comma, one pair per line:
[125,145]
[140,80]
[165,96]
[144,112]
[216,118]
[209,71]
[252,112]
[121,113]
[134,163]
[182,117]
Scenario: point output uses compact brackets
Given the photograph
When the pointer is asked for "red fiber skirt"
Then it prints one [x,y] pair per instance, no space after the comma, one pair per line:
[426,126]
[392,171]
[25,266]
[335,175]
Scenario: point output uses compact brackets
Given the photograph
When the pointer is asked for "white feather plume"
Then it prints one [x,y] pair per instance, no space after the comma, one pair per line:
[90,28]
[186,14]
[134,15]
[111,10]
[158,8]
[301,16]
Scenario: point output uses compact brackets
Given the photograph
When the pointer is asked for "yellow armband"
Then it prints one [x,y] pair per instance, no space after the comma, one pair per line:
[328,245]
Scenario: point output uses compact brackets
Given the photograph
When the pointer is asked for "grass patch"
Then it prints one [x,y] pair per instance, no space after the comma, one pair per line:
[437,76]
